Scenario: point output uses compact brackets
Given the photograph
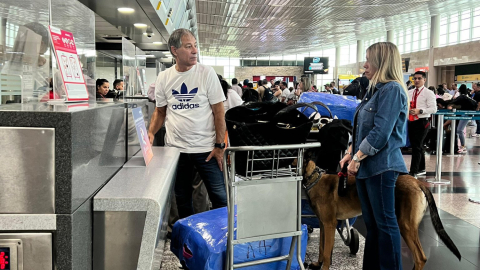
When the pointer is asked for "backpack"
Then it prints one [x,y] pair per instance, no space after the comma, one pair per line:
[268,94]
[473,103]
[354,89]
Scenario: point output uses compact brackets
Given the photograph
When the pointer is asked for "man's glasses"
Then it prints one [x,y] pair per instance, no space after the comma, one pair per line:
[417,78]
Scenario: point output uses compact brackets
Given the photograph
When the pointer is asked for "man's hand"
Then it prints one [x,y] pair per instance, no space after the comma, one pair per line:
[414,111]
[217,153]
[151,137]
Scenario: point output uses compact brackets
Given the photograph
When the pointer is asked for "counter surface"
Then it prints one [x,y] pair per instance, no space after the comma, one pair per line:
[143,189]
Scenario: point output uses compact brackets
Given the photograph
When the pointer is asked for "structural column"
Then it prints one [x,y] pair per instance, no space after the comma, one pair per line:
[337,63]
[360,56]
[390,36]
[434,39]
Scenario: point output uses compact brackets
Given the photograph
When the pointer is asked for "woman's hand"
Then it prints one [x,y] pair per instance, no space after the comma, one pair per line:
[346,159]
[353,168]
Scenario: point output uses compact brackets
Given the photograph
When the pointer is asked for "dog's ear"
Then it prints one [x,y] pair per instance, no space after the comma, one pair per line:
[309,168]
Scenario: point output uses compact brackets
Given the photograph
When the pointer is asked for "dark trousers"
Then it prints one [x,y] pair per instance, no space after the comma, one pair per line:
[188,166]
[383,244]
[417,131]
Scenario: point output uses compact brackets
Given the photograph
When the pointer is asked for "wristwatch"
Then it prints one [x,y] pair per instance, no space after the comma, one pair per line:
[421,111]
[355,158]
[220,145]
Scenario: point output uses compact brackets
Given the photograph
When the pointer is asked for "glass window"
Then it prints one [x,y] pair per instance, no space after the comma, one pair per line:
[443,29]
[476,33]
[452,38]
[424,44]
[453,27]
[415,46]
[476,21]
[465,24]
[465,35]
[443,40]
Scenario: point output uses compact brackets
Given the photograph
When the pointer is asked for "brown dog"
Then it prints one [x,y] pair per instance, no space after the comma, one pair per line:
[411,199]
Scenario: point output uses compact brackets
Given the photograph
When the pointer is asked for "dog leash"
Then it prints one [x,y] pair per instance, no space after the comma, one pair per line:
[342,181]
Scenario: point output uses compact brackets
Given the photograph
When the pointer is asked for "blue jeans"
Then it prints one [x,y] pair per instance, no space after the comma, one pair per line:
[383,244]
[211,175]
[461,124]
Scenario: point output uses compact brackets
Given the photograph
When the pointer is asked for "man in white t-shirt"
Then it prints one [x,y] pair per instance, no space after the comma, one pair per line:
[190,99]
[237,88]
[285,91]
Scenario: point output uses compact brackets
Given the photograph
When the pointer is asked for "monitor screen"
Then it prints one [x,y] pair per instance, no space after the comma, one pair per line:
[315,65]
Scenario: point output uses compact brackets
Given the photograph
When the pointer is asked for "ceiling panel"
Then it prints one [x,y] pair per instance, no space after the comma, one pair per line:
[249,28]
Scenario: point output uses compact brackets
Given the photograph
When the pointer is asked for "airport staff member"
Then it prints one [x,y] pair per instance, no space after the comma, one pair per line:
[422,104]
[190,99]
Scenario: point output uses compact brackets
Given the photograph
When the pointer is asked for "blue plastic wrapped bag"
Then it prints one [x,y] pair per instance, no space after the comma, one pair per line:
[200,242]
[341,106]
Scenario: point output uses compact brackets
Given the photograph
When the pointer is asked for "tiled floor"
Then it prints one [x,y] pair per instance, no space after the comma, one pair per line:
[460,218]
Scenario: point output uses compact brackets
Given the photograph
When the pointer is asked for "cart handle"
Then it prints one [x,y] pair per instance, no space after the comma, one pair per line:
[272,147]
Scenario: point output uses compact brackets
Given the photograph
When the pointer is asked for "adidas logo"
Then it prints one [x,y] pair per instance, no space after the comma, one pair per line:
[184,95]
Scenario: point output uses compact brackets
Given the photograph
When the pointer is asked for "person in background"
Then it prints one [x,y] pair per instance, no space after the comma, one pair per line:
[462,102]
[476,97]
[454,91]
[375,157]
[151,92]
[314,88]
[432,88]
[422,106]
[409,83]
[118,85]
[189,100]
[236,88]
[443,95]
[262,86]
[445,87]
[277,92]
[245,83]
[232,97]
[327,88]
[334,89]
[103,90]
[285,91]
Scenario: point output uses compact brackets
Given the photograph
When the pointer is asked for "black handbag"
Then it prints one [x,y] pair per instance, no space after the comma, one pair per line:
[261,124]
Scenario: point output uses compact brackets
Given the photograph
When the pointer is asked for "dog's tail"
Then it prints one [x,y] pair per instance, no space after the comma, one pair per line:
[437,223]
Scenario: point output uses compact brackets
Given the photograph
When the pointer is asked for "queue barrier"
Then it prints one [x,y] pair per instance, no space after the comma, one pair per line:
[449,115]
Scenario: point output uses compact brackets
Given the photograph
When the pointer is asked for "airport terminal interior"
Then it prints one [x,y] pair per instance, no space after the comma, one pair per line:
[89,173]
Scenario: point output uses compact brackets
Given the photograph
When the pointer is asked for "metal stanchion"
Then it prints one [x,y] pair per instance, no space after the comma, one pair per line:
[453,135]
[438,167]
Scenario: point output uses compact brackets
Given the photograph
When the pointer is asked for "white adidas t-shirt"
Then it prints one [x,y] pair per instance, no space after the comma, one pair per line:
[188,95]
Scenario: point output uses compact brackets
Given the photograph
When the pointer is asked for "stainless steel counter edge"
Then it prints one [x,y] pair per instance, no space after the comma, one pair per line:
[142,189]
[28,222]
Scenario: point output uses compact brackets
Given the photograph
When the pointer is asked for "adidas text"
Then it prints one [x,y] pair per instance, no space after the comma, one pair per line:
[185,106]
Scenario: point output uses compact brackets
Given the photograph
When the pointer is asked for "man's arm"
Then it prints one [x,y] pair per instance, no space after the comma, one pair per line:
[158,117]
[220,127]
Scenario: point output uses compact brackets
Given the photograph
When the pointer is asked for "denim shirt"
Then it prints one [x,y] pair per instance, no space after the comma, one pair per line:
[380,130]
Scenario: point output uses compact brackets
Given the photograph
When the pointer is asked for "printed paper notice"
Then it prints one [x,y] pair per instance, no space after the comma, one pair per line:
[142,135]
[69,64]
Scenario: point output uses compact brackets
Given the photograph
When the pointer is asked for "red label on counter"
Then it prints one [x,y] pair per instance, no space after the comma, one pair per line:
[69,64]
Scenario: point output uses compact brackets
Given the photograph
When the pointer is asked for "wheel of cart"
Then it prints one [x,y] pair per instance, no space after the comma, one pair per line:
[265,202]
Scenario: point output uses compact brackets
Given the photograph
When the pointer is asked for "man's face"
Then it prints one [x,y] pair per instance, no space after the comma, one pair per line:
[418,80]
[445,86]
[120,86]
[454,87]
[186,55]
[282,87]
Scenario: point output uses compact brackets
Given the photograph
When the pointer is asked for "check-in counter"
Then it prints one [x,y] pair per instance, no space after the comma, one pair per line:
[54,159]
[131,213]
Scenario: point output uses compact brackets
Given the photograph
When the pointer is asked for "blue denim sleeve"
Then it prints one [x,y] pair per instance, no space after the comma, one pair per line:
[391,101]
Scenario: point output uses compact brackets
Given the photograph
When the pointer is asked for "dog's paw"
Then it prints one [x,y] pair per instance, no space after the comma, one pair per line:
[315,265]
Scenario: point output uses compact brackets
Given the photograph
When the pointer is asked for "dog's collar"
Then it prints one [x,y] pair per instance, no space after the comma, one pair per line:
[310,186]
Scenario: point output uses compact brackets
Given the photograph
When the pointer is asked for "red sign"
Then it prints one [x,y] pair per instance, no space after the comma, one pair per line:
[424,69]
[69,64]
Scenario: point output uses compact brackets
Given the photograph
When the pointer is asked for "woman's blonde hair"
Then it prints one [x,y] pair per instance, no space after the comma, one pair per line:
[386,59]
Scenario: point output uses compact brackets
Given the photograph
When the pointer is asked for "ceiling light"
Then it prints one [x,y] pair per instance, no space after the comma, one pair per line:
[157,42]
[140,25]
[126,10]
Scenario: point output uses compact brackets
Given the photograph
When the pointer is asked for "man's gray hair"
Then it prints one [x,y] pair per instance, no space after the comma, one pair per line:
[175,39]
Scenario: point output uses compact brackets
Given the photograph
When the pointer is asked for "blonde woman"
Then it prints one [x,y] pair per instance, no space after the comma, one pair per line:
[375,157]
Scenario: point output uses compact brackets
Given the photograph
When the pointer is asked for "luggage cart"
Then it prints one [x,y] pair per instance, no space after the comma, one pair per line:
[267,203]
